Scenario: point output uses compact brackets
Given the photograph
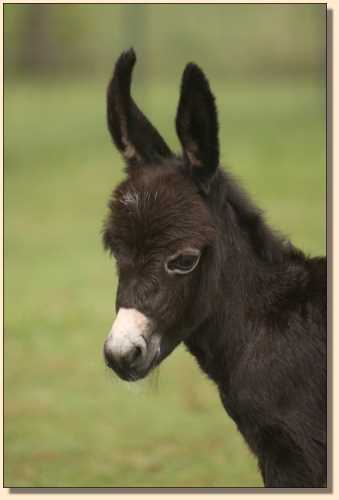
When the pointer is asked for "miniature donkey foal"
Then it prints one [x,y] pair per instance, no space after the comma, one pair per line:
[198,264]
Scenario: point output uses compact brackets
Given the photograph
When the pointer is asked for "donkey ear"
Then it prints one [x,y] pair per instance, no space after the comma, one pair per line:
[134,136]
[197,124]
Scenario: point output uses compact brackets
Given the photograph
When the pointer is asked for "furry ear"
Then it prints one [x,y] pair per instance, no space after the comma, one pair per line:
[197,124]
[134,136]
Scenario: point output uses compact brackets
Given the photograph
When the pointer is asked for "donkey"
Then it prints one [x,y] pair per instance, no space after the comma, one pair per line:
[198,264]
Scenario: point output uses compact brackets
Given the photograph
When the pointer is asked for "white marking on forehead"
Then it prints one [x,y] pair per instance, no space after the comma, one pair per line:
[136,198]
[130,198]
[129,329]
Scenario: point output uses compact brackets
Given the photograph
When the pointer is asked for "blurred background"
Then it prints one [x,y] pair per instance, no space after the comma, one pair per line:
[68,422]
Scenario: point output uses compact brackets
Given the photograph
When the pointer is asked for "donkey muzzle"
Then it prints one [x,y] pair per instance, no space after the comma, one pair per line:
[130,349]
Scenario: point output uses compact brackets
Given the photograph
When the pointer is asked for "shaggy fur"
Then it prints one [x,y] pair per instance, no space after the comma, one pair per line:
[253,312]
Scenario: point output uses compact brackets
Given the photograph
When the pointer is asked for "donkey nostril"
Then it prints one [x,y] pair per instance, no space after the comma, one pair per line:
[134,354]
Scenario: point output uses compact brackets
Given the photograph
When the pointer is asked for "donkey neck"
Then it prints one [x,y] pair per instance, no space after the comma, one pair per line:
[220,339]
[251,263]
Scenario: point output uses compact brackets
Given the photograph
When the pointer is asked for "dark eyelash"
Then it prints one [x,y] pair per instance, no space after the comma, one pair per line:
[183,263]
[179,262]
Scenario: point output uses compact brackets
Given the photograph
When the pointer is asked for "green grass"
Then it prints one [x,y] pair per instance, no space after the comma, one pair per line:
[68,422]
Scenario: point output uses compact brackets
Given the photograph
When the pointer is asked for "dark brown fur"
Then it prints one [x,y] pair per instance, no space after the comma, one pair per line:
[253,313]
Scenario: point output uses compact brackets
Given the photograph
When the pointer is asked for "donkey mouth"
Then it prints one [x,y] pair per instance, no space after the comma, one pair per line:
[137,363]
[135,345]
[131,372]
[132,347]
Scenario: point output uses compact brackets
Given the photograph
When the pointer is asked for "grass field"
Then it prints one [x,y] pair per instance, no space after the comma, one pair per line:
[68,422]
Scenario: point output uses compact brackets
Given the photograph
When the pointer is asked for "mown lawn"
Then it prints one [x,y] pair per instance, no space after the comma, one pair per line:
[68,422]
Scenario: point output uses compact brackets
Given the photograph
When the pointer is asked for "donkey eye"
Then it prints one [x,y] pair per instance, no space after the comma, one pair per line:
[183,263]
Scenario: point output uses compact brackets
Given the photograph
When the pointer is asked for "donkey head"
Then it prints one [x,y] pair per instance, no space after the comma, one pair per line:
[160,226]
